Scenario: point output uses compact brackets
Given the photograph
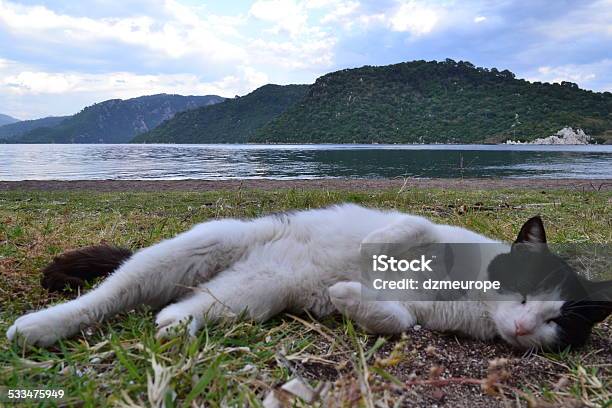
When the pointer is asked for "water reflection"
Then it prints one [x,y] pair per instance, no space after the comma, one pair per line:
[123,162]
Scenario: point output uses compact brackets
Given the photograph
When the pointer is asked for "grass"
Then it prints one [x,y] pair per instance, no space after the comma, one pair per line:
[237,364]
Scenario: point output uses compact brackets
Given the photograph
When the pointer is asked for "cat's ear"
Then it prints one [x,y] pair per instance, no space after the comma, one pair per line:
[532,232]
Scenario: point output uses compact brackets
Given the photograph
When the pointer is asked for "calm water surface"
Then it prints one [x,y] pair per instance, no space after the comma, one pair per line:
[209,162]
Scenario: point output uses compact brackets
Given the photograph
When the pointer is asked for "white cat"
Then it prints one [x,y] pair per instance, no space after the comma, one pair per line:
[305,261]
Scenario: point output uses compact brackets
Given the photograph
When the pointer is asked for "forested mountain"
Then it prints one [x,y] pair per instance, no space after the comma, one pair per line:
[116,120]
[19,128]
[6,119]
[411,102]
[232,121]
[429,102]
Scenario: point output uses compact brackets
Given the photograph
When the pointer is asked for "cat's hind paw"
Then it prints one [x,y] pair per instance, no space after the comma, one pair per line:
[355,301]
[345,295]
[170,321]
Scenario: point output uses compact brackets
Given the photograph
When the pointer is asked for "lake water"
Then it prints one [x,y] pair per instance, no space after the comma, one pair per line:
[217,162]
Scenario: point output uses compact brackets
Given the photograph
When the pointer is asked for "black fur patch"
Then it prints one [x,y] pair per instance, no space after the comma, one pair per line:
[71,270]
[577,319]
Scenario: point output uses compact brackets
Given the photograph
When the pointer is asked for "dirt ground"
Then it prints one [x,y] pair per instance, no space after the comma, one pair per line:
[331,184]
[423,351]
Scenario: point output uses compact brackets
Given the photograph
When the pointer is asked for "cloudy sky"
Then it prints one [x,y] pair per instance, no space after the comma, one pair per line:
[57,56]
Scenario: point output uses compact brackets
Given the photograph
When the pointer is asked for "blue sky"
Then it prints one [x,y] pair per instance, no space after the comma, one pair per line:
[57,56]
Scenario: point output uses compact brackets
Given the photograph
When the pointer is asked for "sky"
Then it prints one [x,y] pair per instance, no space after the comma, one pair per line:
[58,56]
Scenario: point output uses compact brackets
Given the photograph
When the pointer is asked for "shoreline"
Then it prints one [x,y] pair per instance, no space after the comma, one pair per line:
[316,184]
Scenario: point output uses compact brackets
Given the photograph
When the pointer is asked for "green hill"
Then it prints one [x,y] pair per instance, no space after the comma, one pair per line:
[116,120]
[232,121]
[429,102]
[19,128]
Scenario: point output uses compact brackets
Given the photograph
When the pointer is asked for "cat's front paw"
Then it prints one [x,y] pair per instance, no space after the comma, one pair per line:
[171,319]
[43,328]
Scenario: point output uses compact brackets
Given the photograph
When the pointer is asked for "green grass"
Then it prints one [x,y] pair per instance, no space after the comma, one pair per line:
[237,364]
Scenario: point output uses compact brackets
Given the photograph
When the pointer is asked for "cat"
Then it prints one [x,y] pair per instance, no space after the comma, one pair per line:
[307,261]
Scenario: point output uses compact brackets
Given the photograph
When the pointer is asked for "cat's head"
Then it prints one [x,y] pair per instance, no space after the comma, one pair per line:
[546,304]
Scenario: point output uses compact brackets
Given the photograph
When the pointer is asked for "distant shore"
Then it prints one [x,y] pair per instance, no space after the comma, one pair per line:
[327,184]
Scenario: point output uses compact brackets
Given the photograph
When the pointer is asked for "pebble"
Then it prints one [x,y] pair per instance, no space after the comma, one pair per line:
[247,368]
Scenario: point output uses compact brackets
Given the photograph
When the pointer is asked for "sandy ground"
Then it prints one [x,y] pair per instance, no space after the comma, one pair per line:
[331,184]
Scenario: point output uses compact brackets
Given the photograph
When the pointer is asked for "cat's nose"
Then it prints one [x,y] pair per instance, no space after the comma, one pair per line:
[520,330]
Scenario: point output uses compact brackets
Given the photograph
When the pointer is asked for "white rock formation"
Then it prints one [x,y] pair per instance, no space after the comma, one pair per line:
[566,136]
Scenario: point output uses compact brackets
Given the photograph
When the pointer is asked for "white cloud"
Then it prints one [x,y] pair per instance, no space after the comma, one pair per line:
[367,20]
[34,94]
[415,18]
[318,4]
[348,15]
[182,47]
[183,34]
[287,15]
[585,75]
[565,73]
[211,53]
[39,82]
[341,10]
[586,19]
[305,47]
[127,84]
[290,55]
[255,79]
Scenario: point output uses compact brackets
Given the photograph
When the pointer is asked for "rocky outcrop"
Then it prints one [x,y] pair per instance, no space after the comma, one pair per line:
[566,136]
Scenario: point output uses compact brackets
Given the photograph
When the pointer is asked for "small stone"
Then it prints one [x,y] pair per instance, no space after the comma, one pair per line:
[300,389]
[272,401]
[247,368]
[438,394]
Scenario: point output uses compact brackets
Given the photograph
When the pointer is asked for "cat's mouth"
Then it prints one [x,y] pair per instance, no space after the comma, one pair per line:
[521,341]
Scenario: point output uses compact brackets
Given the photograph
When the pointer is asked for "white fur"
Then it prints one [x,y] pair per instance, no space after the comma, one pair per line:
[304,261]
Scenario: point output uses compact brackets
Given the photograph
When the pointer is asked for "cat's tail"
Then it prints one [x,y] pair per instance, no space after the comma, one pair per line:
[71,270]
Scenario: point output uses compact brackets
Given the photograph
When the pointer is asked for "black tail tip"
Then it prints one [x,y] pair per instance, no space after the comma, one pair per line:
[71,270]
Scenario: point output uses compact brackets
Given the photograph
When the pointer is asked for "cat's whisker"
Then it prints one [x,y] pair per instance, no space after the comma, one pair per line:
[578,316]
[578,307]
